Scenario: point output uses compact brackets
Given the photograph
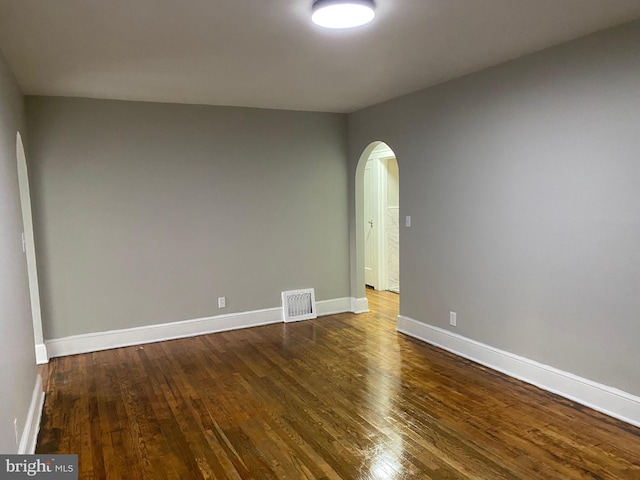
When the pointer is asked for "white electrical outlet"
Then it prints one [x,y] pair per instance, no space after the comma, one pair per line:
[222,302]
[407,221]
[453,319]
[15,428]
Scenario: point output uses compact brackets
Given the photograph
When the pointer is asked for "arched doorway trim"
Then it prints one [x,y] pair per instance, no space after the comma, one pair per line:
[30,251]
[359,272]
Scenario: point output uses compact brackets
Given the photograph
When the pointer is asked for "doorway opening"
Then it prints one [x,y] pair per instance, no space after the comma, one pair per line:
[380,220]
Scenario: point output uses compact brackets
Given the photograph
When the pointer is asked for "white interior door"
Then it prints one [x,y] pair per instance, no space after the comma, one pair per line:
[392,225]
[370,235]
[381,220]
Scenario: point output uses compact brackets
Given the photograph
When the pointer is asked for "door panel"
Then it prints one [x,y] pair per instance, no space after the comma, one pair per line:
[392,226]
[369,232]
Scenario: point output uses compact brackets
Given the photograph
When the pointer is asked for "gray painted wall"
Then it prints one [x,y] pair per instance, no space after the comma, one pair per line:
[523,183]
[146,213]
[17,355]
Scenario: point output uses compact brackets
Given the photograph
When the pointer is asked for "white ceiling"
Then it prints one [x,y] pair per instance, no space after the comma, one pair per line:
[267,53]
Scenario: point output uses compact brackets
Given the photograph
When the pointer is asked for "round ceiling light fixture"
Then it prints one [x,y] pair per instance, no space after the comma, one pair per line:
[342,13]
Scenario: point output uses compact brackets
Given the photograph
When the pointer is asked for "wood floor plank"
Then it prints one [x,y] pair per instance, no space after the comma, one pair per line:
[340,397]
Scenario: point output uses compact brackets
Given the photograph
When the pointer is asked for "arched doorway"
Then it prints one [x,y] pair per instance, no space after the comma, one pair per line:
[377,219]
[28,245]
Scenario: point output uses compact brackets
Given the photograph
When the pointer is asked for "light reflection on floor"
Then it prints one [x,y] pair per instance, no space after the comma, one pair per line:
[385,466]
[384,460]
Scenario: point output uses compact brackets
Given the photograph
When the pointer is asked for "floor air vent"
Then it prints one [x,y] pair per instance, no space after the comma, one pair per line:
[299,305]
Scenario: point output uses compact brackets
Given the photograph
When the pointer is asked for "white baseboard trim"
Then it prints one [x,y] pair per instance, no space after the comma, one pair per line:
[359,305]
[93,342]
[331,307]
[41,354]
[32,424]
[603,398]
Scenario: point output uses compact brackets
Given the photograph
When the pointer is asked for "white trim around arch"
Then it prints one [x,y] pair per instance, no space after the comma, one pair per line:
[371,150]
[28,245]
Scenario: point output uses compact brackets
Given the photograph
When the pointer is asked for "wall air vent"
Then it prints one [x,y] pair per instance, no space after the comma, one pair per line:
[299,305]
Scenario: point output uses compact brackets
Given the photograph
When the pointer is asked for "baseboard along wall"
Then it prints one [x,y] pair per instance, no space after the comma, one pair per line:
[605,399]
[31,428]
[93,342]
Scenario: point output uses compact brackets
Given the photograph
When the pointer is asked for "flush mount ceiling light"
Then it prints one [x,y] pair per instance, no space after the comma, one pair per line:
[342,13]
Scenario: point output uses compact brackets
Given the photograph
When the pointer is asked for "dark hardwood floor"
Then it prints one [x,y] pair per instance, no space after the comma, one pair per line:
[340,397]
